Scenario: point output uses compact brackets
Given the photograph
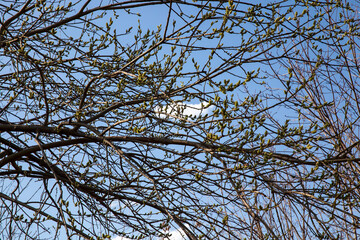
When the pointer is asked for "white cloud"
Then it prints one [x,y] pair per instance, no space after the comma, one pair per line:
[125,203]
[120,238]
[183,109]
[177,234]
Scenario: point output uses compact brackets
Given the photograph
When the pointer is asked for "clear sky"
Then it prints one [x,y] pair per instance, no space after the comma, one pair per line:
[199,57]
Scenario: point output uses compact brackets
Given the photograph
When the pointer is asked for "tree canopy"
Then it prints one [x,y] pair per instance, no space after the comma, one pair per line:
[221,119]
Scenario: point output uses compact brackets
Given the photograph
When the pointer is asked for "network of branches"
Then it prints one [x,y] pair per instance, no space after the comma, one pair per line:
[217,119]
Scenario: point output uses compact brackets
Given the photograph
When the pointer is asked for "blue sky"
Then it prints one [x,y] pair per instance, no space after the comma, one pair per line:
[197,62]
